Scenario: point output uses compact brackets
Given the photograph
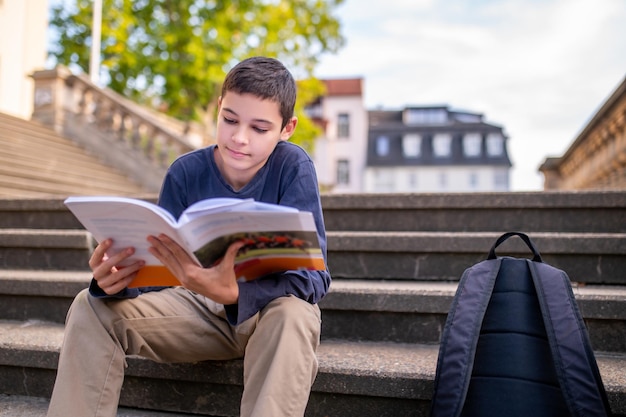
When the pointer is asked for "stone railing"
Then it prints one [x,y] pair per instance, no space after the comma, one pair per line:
[132,138]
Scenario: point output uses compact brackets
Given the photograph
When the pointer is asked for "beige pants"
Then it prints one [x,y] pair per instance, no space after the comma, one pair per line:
[175,325]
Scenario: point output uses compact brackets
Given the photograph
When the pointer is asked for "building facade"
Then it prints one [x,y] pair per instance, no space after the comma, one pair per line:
[435,149]
[339,154]
[23,26]
[597,157]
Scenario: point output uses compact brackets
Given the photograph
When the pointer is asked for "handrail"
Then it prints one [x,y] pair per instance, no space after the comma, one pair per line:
[62,97]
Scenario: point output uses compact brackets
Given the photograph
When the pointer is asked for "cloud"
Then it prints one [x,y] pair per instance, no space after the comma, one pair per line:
[540,68]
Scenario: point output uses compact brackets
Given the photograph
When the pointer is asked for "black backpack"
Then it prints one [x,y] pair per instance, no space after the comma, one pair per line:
[515,344]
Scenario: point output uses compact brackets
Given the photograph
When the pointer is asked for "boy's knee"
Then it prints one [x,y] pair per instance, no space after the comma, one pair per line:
[84,309]
[293,314]
[80,302]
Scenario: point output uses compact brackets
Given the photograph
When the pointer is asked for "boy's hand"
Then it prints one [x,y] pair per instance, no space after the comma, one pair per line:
[219,283]
[110,278]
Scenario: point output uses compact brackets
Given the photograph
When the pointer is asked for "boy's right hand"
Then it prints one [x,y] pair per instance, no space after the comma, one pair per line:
[110,278]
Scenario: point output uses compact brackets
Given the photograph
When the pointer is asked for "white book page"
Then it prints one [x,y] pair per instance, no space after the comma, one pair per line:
[127,221]
[214,205]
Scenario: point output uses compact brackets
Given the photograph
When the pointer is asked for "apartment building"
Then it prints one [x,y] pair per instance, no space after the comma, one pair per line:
[435,149]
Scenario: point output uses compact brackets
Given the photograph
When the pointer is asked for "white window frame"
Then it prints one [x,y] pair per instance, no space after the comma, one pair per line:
[412,145]
[495,144]
[343,172]
[382,146]
[473,180]
[442,145]
[343,125]
[501,180]
[472,145]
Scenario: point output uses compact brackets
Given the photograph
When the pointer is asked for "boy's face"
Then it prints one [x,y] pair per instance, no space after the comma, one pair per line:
[248,129]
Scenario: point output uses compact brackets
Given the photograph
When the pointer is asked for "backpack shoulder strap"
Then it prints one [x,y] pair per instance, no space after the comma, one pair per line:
[574,360]
[460,337]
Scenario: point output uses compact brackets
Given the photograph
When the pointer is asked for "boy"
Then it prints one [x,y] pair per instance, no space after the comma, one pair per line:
[273,320]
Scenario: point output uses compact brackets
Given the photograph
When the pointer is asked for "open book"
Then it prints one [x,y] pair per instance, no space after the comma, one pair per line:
[278,238]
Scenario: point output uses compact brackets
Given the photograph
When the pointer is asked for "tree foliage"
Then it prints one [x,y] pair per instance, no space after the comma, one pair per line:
[173,54]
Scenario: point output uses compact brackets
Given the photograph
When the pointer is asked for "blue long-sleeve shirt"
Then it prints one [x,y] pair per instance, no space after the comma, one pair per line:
[288,178]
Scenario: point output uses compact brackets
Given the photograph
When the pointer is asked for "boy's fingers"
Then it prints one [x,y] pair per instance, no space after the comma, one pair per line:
[99,253]
[118,257]
[231,252]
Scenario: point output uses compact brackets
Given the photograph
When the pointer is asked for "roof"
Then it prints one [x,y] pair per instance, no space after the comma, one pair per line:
[344,87]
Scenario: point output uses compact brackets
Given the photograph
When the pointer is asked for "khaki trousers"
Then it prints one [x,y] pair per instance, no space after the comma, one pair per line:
[176,325]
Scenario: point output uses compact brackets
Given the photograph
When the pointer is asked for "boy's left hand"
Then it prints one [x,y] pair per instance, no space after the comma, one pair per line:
[219,283]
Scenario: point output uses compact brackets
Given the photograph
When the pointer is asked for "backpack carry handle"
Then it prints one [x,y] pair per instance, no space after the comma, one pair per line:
[524,237]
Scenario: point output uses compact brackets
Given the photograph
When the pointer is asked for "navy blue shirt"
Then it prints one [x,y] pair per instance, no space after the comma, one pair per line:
[288,178]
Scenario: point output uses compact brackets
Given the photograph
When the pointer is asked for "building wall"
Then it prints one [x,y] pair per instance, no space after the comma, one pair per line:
[351,148]
[437,179]
[331,149]
[23,27]
[597,158]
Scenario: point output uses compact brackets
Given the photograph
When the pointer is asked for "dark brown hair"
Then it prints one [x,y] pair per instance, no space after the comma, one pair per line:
[266,78]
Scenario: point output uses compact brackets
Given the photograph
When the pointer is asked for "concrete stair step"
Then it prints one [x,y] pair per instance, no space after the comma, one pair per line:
[593,258]
[52,163]
[35,140]
[33,128]
[578,211]
[575,212]
[25,406]
[51,151]
[36,161]
[355,378]
[18,131]
[39,294]
[53,146]
[38,213]
[356,310]
[60,172]
[45,249]
[63,185]
[415,312]
[9,189]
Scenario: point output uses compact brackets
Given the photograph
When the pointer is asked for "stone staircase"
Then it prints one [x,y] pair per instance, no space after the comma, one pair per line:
[395,261]
[37,162]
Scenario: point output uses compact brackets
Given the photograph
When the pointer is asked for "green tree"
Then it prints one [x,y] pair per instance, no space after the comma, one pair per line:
[172,55]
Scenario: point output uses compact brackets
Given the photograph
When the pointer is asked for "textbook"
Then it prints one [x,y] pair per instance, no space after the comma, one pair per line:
[277,238]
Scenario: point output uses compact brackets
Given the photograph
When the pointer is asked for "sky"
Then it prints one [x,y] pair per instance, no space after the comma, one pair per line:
[539,68]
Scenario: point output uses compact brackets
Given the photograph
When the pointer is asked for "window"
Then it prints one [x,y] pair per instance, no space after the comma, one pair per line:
[472,143]
[443,180]
[343,172]
[382,146]
[501,180]
[383,181]
[473,180]
[442,145]
[412,180]
[425,116]
[468,117]
[495,144]
[314,111]
[411,145]
[343,125]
